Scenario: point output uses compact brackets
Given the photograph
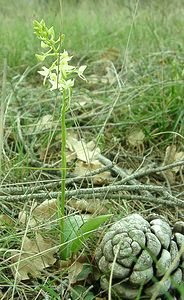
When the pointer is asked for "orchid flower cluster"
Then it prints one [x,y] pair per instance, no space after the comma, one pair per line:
[61,74]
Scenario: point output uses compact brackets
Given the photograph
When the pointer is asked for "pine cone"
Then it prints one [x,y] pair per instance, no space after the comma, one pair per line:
[139,253]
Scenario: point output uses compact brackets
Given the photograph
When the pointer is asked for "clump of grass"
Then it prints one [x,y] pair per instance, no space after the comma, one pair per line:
[90,29]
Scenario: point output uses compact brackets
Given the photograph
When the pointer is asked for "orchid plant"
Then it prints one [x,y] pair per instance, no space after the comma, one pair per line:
[61,77]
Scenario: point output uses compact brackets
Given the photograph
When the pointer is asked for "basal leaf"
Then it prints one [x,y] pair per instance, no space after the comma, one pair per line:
[71,227]
[86,230]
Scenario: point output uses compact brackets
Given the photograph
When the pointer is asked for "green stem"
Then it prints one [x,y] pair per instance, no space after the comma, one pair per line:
[63,175]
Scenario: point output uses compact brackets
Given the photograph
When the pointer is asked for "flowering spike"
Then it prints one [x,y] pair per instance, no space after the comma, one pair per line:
[61,75]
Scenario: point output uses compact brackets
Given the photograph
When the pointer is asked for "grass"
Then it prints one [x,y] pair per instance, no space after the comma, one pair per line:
[144,44]
[148,41]
[155,29]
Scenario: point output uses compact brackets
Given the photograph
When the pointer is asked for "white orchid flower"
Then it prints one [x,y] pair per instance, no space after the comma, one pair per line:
[80,72]
[68,84]
[53,81]
[44,73]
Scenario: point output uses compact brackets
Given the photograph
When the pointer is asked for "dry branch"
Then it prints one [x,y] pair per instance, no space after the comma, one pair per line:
[51,185]
[150,171]
[98,191]
[113,191]
[131,178]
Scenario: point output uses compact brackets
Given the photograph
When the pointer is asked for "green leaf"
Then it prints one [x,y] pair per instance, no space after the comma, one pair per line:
[86,230]
[71,226]
[79,292]
[78,229]
[86,270]
[89,296]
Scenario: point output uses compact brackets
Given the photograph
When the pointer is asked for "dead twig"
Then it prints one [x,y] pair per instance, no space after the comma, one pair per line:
[121,196]
[94,191]
[131,178]
[117,170]
[150,171]
[51,185]
[123,174]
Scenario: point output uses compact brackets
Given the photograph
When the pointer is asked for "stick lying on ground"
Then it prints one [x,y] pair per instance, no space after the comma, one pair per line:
[29,193]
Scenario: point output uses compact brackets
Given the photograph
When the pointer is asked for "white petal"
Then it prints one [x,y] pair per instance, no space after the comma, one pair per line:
[80,72]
